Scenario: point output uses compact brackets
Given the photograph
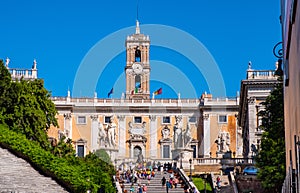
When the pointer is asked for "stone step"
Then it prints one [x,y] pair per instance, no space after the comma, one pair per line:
[16,175]
[155,185]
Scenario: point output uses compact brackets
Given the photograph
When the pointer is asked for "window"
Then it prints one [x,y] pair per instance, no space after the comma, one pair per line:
[137,81]
[166,120]
[194,151]
[192,119]
[81,120]
[166,151]
[106,119]
[222,118]
[137,119]
[80,150]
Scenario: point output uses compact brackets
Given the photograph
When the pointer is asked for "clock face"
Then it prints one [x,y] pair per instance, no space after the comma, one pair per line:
[137,68]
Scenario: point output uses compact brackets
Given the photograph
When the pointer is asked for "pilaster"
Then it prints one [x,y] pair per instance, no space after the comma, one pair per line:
[153,138]
[94,133]
[206,135]
[122,136]
[252,123]
[68,125]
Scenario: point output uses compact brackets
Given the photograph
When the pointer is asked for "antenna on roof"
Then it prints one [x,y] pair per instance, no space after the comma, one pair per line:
[137,10]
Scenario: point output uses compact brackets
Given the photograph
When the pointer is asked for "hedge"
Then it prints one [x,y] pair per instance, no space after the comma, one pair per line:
[75,174]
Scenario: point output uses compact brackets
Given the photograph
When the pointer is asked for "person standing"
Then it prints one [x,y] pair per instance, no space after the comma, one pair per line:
[163,181]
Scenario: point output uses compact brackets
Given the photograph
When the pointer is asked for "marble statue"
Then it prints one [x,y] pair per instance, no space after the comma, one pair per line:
[7,62]
[111,133]
[187,136]
[178,132]
[223,142]
[140,158]
[101,135]
[165,132]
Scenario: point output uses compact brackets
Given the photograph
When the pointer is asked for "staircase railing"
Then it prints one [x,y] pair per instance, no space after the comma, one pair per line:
[186,179]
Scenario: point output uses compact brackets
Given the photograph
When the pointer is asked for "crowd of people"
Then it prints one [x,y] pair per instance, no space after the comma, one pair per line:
[134,177]
[140,179]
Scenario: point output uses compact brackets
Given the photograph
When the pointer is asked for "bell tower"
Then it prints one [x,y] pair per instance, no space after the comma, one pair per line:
[137,67]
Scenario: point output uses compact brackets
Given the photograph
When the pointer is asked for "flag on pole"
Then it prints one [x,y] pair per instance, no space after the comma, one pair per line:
[159,91]
[110,92]
[135,90]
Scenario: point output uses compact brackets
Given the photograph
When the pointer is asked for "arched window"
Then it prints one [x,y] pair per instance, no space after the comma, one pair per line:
[137,54]
[137,81]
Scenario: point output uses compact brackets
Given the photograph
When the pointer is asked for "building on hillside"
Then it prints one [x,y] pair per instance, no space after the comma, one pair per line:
[290,21]
[18,73]
[139,127]
[254,90]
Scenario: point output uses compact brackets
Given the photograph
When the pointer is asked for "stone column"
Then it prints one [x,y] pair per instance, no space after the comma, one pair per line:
[153,136]
[122,137]
[206,135]
[94,133]
[68,125]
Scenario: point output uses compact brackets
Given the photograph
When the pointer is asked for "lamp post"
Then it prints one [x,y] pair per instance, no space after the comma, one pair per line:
[181,160]
[116,164]
[205,176]
[130,165]
[233,162]
[190,160]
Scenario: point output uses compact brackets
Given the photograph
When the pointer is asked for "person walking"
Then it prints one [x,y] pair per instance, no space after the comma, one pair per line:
[145,189]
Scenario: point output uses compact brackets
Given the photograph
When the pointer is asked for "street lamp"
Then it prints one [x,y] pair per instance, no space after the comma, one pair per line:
[130,165]
[181,160]
[233,162]
[190,160]
[205,176]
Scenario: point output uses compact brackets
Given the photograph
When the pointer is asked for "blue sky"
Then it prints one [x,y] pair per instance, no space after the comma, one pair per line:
[61,34]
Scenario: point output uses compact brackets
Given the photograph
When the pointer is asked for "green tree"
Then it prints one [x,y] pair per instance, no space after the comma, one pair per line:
[101,153]
[5,81]
[26,107]
[271,157]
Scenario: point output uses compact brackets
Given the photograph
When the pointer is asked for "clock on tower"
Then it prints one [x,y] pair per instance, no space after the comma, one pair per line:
[137,67]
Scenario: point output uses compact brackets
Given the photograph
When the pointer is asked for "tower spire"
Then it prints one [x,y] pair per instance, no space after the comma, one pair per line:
[137,27]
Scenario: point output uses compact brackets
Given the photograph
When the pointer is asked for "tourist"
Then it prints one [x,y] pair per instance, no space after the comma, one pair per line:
[163,181]
[218,182]
[132,188]
[175,182]
[186,188]
[140,189]
[194,190]
[145,189]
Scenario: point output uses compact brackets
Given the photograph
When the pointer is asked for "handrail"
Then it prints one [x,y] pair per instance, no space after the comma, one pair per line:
[186,179]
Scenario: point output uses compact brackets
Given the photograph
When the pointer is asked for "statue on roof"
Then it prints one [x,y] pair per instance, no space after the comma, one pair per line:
[7,62]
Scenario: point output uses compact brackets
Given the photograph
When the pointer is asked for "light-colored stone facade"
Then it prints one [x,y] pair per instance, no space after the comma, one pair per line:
[138,126]
[254,90]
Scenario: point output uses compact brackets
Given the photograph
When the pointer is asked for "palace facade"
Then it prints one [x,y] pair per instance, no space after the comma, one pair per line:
[138,125]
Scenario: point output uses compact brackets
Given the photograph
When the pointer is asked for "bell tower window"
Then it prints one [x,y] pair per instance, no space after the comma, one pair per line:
[137,54]
[138,81]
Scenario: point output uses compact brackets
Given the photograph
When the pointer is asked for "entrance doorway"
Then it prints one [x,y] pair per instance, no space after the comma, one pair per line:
[137,150]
